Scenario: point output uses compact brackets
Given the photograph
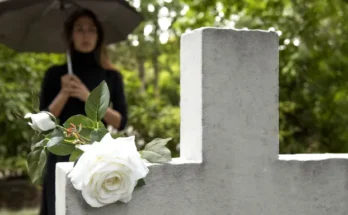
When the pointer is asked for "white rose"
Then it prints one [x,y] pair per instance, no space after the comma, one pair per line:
[41,121]
[108,171]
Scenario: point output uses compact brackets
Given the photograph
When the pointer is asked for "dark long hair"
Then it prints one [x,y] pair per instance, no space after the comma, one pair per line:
[68,30]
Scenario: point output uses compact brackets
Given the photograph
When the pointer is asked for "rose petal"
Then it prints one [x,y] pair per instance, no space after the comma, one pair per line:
[105,195]
[78,173]
[85,148]
[87,194]
[33,126]
[43,121]
[119,193]
[102,166]
[28,115]
[128,196]
[115,183]
[119,146]
[125,146]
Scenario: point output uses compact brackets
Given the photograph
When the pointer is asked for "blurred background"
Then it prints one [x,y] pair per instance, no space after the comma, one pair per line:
[313,78]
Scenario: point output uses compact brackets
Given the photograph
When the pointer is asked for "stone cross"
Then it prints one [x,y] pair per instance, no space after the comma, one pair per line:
[229,162]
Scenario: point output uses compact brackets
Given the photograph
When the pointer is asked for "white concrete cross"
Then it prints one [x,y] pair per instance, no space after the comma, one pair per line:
[229,160]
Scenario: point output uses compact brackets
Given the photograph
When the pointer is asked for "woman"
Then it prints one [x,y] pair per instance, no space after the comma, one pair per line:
[65,95]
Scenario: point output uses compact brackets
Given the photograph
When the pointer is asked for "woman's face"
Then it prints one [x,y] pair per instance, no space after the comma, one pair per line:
[84,35]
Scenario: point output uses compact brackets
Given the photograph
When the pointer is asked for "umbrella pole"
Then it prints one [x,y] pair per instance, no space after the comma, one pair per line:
[68,56]
[69,64]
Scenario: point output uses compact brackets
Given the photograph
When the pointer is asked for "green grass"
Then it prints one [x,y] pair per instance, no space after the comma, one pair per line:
[21,212]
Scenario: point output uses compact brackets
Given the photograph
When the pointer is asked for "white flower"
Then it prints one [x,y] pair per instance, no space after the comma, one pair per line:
[108,171]
[41,121]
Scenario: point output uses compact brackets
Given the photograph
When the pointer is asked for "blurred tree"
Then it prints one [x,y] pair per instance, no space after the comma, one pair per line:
[20,81]
[153,44]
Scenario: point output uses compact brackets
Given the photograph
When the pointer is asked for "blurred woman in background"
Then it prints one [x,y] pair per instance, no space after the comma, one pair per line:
[64,95]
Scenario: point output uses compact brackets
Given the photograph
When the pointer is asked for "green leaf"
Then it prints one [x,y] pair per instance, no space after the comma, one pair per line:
[98,102]
[100,124]
[86,132]
[36,137]
[88,125]
[80,119]
[57,132]
[97,135]
[75,154]
[39,144]
[57,146]
[36,164]
[141,182]
[156,151]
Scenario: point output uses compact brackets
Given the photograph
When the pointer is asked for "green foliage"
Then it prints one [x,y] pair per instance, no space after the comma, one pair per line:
[156,152]
[150,116]
[98,134]
[20,79]
[62,140]
[75,155]
[21,212]
[98,102]
[37,161]
[65,140]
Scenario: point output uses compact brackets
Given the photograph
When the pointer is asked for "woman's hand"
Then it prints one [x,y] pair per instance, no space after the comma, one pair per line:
[65,85]
[79,89]
[73,86]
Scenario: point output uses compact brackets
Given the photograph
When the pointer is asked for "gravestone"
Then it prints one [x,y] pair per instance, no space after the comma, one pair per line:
[229,162]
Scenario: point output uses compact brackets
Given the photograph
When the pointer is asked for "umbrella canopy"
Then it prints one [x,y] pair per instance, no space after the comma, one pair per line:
[37,25]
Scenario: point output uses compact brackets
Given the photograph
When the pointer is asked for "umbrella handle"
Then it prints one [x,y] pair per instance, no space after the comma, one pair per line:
[70,70]
[68,56]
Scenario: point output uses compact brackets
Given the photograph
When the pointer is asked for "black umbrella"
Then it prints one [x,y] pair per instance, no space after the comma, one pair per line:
[37,25]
